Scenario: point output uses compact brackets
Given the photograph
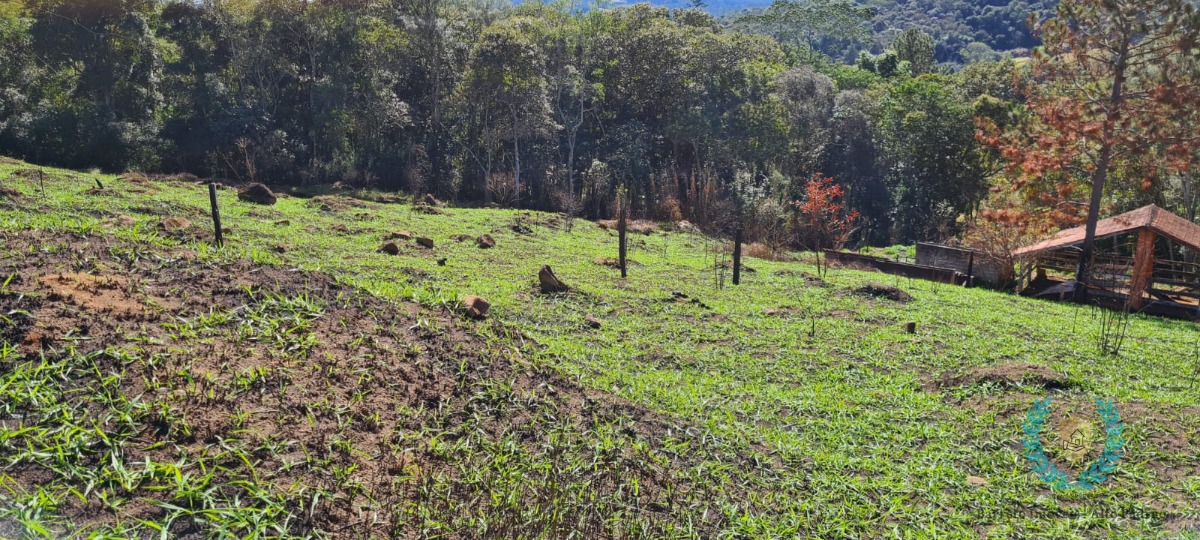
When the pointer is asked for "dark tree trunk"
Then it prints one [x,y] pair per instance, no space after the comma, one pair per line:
[1112,116]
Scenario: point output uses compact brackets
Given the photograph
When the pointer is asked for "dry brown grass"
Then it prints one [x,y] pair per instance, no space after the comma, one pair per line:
[639,226]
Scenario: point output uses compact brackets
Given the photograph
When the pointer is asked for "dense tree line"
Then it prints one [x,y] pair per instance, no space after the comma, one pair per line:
[537,105]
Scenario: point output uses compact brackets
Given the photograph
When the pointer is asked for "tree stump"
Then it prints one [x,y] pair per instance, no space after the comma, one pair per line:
[549,282]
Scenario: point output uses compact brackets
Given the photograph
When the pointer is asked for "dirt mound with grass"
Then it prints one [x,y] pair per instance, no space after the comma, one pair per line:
[11,196]
[889,292]
[637,226]
[212,399]
[1008,375]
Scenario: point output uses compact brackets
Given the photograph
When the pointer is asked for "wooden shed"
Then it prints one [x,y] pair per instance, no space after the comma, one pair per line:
[1144,257]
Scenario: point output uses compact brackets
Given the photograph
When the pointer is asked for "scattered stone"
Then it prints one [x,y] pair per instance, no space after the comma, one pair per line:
[883,291]
[399,235]
[391,248]
[257,193]
[686,226]
[176,224]
[485,242]
[549,282]
[476,306]
[425,242]
[592,321]
[441,261]
[977,481]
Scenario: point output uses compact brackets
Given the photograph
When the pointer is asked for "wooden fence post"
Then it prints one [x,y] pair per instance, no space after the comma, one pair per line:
[737,254]
[622,218]
[216,213]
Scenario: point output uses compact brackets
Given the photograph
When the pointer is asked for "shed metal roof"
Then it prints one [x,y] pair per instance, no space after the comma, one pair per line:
[1150,217]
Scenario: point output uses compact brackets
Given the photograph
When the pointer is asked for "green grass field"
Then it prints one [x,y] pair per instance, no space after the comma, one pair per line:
[797,407]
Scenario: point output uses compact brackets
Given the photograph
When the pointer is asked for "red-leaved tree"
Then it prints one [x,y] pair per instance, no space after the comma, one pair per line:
[822,219]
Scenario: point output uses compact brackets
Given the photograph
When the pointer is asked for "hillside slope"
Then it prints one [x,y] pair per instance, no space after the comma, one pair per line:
[300,381]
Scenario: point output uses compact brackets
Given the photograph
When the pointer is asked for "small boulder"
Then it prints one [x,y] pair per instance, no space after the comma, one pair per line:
[686,226]
[476,306]
[549,282]
[425,242]
[176,224]
[460,237]
[391,248]
[257,193]
[431,200]
[592,322]
[282,223]
[127,221]
[485,242]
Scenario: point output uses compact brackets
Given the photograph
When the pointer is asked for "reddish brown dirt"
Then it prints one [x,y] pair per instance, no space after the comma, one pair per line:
[1007,374]
[395,373]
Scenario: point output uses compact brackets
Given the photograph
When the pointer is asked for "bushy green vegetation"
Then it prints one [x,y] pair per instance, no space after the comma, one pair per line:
[812,410]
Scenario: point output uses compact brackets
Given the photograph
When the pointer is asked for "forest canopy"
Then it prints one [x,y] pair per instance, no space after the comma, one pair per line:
[539,105]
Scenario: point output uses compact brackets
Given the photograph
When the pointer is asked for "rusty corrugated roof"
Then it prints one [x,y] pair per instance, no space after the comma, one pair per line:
[1156,219]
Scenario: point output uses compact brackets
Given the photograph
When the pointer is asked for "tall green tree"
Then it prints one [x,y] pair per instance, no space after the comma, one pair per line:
[917,48]
[933,163]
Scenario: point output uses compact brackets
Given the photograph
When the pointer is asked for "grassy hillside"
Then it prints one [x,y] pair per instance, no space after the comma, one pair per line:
[300,382]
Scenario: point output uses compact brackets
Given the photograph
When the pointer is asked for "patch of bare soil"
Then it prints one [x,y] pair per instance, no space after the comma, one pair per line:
[883,291]
[11,196]
[368,386]
[1007,374]
[110,294]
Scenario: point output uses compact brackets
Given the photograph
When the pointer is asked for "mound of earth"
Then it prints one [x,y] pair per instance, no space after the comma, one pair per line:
[1008,374]
[883,291]
[334,203]
[257,193]
[10,195]
[639,226]
[288,394]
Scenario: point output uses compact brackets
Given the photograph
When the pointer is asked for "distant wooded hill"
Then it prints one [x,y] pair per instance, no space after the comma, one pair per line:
[964,30]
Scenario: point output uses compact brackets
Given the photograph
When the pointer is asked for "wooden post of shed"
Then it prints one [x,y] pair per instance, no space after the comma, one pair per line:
[1143,268]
